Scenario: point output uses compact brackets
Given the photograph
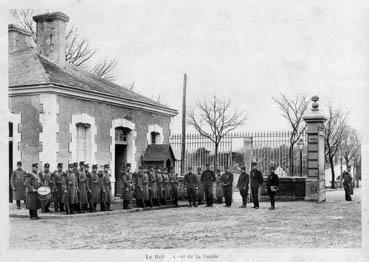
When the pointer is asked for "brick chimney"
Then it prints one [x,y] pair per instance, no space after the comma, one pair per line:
[18,38]
[50,30]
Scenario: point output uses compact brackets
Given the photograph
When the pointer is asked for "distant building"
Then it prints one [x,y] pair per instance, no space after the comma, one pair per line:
[61,113]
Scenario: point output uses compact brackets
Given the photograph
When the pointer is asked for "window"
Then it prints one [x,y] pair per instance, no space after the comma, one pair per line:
[154,137]
[82,131]
[121,135]
[10,129]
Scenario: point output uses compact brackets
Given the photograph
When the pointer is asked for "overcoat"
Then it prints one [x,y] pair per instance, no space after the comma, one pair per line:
[139,186]
[219,189]
[200,190]
[32,183]
[106,187]
[83,187]
[347,182]
[127,186]
[190,181]
[17,182]
[173,184]
[95,188]
[145,186]
[272,180]
[166,185]
[58,192]
[159,180]
[71,186]
[153,186]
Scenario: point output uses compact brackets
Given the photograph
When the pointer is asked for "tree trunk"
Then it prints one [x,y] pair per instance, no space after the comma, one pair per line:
[331,162]
[291,160]
[216,157]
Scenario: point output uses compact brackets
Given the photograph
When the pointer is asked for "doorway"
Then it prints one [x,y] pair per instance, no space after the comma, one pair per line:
[120,163]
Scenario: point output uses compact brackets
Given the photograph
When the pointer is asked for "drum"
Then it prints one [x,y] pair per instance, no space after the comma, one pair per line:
[44,193]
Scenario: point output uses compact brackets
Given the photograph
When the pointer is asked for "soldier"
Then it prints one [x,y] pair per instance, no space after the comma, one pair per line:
[200,191]
[191,185]
[102,191]
[48,180]
[107,187]
[173,186]
[70,187]
[219,189]
[88,184]
[256,180]
[347,183]
[83,187]
[167,198]
[227,184]
[159,181]
[207,179]
[17,183]
[272,186]
[95,188]
[153,187]
[139,188]
[243,186]
[145,188]
[58,192]
[32,183]
[127,187]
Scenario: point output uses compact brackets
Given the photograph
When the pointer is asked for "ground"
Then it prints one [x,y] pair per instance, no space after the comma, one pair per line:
[334,223]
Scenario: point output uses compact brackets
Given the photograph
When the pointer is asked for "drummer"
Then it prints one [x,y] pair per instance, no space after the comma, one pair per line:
[32,183]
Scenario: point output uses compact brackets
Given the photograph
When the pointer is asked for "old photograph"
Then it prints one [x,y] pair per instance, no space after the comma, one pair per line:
[196,126]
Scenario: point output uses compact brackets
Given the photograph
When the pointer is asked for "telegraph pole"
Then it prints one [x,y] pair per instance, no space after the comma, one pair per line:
[183,148]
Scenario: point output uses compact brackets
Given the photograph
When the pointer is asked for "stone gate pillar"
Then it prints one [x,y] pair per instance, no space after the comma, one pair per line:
[315,181]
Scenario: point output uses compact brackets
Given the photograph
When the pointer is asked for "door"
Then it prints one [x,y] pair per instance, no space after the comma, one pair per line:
[120,163]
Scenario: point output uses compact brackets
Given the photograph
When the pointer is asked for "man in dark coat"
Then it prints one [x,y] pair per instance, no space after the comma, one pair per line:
[106,185]
[146,187]
[88,184]
[153,187]
[200,191]
[256,180]
[70,186]
[127,187]
[207,180]
[83,187]
[95,188]
[139,188]
[272,186]
[347,183]
[32,183]
[160,183]
[173,186]
[58,192]
[17,183]
[219,188]
[191,185]
[243,186]
[227,184]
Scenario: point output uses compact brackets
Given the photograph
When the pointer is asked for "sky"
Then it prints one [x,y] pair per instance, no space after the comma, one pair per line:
[246,51]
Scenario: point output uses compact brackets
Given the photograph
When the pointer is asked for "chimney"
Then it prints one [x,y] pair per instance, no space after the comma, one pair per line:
[18,38]
[50,30]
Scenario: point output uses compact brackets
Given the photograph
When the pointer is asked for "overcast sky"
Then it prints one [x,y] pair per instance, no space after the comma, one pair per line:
[247,51]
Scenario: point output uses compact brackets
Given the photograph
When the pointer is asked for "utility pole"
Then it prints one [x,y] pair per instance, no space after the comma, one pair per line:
[183,148]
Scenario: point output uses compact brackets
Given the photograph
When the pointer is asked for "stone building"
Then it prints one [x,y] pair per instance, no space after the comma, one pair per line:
[61,113]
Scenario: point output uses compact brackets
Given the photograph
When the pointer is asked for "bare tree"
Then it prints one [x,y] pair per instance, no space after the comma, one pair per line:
[78,51]
[335,128]
[293,109]
[215,119]
[350,145]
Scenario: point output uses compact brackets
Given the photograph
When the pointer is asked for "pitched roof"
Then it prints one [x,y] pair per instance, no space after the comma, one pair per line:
[158,152]
[27,68]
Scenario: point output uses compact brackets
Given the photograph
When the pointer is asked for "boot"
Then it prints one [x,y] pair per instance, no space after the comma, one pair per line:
[67,209]
[61,207]
[102,206]
[94,209]
[108,207]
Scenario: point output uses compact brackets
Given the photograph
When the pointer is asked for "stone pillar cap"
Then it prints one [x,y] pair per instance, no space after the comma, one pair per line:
[314,114]
[51,17]
[16,28]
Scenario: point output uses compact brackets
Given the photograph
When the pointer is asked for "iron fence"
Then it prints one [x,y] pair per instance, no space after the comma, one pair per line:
[266,148]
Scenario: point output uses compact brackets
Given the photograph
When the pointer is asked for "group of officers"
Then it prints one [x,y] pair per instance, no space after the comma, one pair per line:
[200,186]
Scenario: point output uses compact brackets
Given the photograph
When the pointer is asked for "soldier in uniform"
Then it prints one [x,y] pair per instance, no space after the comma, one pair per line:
[200,191]
[191,185]
[127,187]
[145,188]
[153,187]
[139,188]
[272,186]
[95,187]
[227,184]
[173,186]
[48,179]
[219,188]
[102,192]
[83,187]
[167,197]
[17,183]
[32,183]
[347,183]
[71,188]
[159,180]
[207,179]
[58,192]
[243,186]
[107,187]
[256,180]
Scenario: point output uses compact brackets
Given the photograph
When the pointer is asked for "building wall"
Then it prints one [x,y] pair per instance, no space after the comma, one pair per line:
[29,108]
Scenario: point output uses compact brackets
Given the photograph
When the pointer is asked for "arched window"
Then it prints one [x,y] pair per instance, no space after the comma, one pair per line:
[154,137]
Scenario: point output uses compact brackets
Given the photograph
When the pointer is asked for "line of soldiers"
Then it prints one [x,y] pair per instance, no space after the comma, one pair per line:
[151,187]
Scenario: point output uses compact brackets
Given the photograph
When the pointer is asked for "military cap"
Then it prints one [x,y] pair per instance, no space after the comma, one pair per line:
[35,165]
[70,165]
[128,165]
[106,166]
[60,164]
[82,163]
[243,168]
[218,170]
[199,169]
[87,165]
[94,166]
[47,165]
[19,163]
[254,164]
[75,164]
